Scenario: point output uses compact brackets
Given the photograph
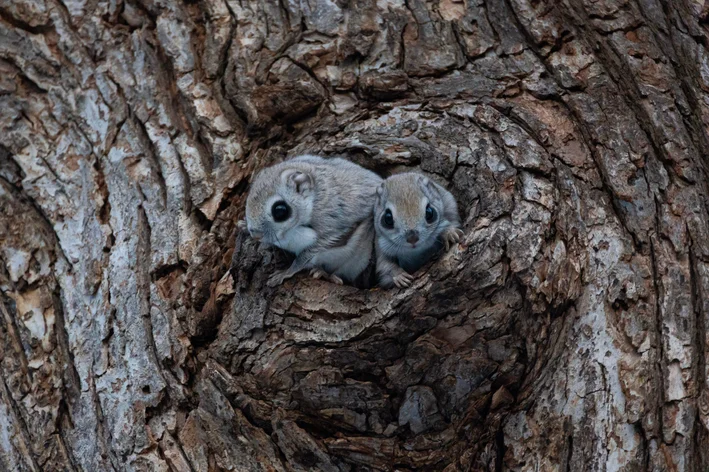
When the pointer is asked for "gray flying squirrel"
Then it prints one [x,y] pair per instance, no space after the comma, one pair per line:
[414,218]
[318,209]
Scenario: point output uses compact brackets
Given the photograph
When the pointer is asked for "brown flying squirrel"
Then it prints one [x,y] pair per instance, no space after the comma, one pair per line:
[318,209]
[414,218]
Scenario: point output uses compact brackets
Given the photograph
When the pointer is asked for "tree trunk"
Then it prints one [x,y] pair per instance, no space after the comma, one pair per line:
[567,332]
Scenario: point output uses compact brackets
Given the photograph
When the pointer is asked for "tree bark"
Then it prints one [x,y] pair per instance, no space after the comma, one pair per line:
[567,332]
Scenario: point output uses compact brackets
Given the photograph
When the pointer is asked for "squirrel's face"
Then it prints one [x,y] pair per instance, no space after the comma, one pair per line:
[279,200]
[408,213]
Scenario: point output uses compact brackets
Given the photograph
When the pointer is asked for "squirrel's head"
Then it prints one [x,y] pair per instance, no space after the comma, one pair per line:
[281,198]
[408,211]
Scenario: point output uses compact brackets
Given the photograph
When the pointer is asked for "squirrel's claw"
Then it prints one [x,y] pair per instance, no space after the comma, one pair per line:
[403,279]
[278,278]
[317,273]
[336,280]
[452,236]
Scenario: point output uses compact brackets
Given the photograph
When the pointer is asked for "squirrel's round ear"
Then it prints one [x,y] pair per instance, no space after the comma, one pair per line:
[301,182]
[426,183]
[380,190]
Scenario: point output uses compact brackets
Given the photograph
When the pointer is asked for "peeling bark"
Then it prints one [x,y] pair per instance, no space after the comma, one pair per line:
[567,332]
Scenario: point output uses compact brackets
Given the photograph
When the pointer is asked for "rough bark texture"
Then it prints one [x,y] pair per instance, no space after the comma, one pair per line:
[568,332]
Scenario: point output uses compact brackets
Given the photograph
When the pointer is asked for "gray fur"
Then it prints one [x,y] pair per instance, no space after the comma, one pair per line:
[406,196]
[331,203]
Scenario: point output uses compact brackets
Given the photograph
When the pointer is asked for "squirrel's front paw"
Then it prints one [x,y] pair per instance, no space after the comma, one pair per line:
[278,278]
[241,225]
[318,273]
[403,279]
[452,236]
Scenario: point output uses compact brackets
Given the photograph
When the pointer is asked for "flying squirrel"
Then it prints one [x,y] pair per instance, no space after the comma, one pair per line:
[319,209]
[414,218]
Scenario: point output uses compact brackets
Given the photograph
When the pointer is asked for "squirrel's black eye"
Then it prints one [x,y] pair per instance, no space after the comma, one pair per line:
[388,219]
[280,211]
[431,214]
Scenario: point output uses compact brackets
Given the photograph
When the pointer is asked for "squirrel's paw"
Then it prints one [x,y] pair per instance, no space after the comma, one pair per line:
[336,279]
[241,225]
[278,278]
[452,236]
[403,279]
[318,273]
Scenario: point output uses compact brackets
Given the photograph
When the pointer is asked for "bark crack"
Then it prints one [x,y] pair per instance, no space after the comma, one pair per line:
[25,438]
